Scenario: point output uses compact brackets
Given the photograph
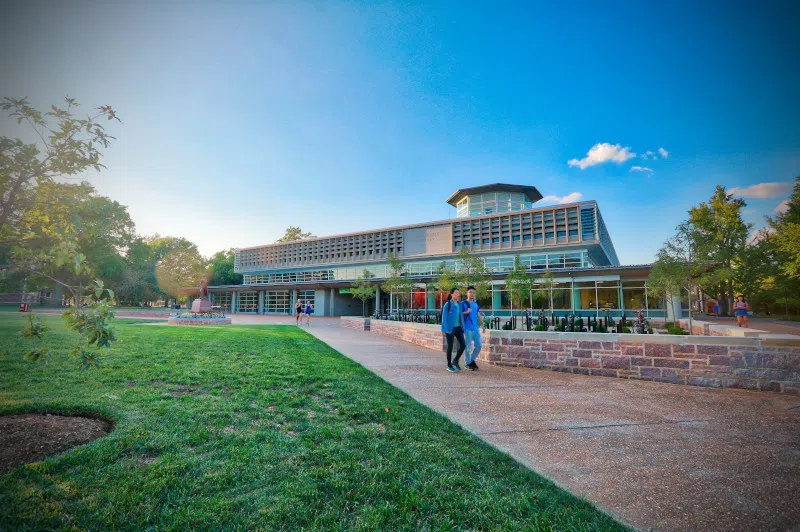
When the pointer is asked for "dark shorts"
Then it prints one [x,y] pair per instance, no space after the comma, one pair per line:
[299,311]
[741,313]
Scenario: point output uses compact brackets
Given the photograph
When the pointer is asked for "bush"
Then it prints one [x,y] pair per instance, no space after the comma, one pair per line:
[675,329]
[539,328]
[626,330]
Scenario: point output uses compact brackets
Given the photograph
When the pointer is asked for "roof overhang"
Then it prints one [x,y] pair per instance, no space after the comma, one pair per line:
[532,193]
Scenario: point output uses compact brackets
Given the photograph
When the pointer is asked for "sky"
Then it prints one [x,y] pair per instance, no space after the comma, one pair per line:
[241,119]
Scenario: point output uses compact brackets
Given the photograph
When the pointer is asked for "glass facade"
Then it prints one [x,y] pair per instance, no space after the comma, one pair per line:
[276,302]
[535,263]
[222,300]
[492,203]
[248,301]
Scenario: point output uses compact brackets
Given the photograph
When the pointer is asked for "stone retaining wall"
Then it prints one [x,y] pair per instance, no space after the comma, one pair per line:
[724,362]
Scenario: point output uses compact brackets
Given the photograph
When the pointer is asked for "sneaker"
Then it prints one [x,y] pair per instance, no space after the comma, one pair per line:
[455,365]
[474,365]
[451,369]
[471,366]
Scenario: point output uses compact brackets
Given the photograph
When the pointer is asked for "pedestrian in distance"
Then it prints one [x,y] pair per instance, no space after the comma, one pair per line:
[473,320]
[740,310]
[309,312]
[716,309]
[453,329]
[298,310]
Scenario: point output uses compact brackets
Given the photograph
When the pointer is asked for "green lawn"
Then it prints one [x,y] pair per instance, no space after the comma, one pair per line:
[255,427]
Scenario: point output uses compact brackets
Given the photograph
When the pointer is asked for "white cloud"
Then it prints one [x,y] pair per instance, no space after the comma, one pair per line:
[569,198]
[782,207]
[602,153]
[762,190]
[756,235]
[641,169]
[663,153]
[648,155]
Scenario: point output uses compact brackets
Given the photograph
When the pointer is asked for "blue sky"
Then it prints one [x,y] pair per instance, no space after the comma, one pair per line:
[242,119]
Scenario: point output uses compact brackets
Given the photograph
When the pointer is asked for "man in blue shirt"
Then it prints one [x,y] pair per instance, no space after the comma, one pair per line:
[452,329]
[473,319]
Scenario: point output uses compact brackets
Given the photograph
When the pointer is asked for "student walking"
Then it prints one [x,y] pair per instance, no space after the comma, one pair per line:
[740,308]
[309,311]
[298,310]
[473,319]
[452,328]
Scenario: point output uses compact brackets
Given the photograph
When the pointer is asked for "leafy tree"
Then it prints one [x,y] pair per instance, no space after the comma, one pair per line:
[363,289]
[222,269]
[180,267]
[471,271]
[446,280]
[754,268]
[786,235]
[70,235]
[519,284]
[676,268]
[397,281]
[294,233]
[65,145]
[718,234]
[548,283]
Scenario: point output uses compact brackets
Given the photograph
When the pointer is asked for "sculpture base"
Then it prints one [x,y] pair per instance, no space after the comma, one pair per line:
[201,305]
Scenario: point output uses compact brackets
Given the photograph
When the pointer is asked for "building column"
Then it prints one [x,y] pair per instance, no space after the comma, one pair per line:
[234,302]
[261,302]
[295,295]
[430,299]
[377,298]
[576,299]
[497,300]
[332,301]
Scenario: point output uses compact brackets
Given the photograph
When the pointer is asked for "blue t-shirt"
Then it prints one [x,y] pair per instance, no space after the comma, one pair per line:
[470,320]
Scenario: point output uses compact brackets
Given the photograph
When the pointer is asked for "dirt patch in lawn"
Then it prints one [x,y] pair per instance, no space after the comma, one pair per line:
[26,438]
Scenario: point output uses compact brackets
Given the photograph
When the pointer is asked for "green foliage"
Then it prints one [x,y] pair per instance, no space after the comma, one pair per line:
[785,237]
[294,233]
[222,273]
[675,329]
[626,330]
[363,289]
[397,281]
[540,328]
[35,330]
[92,322]
[676,268]
[181,267]
[471,271]
[519,284]
[65,144]
[268,416]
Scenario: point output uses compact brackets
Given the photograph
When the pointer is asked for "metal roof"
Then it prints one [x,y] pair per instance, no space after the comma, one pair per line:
[531,192]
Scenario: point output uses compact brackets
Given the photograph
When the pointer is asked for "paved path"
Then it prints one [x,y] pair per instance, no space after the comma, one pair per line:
[770,325]
[656,456]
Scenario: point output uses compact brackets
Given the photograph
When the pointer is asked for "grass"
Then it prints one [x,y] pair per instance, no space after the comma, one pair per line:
[255,427]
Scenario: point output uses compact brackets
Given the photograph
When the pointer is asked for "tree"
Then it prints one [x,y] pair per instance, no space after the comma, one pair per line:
[548,283]
[222,269]
[446,280]
[718,234]
[180,268]
[65,145]
[471,271]
[363,289]
[294,233]
[397,282]
[518,284]
[70,235]
[785,235]
[754,267]
[676,268]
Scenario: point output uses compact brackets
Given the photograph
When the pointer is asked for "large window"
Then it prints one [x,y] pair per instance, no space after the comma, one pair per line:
[277,302]
[634,295]
[248,302]
[221,299]
[305,297]
[608,295]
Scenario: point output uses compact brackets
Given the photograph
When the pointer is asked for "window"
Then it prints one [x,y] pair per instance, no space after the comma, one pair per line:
[248,302]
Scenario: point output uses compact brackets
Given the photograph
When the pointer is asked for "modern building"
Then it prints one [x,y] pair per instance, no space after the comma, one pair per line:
[495,222]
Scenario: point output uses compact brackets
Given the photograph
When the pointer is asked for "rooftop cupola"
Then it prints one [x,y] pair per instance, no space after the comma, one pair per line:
[493,199]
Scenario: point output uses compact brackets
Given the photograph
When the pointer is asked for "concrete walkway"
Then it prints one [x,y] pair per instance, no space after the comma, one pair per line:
[656,456]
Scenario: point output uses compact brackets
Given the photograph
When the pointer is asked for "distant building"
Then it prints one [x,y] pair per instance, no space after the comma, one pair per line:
[496,222]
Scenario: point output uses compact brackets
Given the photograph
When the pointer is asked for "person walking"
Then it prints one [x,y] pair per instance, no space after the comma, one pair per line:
[309,311]
[452,328]
[298,310]
[740,308]
[473,319]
